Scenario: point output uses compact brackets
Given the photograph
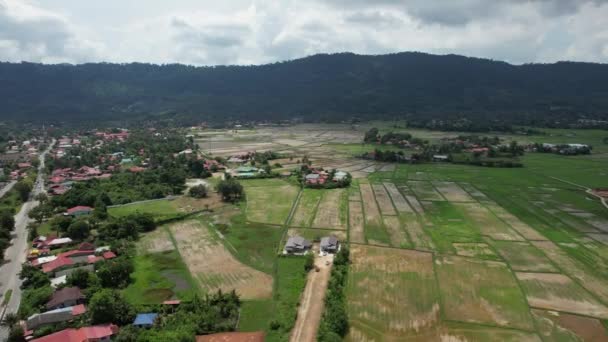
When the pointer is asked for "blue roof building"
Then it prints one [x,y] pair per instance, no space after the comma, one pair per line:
[145,320]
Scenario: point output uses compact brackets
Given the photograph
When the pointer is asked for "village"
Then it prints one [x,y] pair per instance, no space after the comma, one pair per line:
[140,232]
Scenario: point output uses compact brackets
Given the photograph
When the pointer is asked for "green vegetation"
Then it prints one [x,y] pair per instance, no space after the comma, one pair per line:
[158,277]
[7,297]
[290,282]
[159,209]
[334,323]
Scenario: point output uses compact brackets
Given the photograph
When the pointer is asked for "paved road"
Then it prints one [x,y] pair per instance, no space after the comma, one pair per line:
[15,255]
[7,188]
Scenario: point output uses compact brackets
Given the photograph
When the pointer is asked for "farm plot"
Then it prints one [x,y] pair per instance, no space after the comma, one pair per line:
[586,277]
[270,204]
[391,294]
[329,212]
[487,223]
[213,266]
[475,193]
[523,256]
[156,241]
[559,326]
[355,222]
[384,202]
[553,291]
[398,200]
[481,292]
[525,230]
[305,210]
[372,214]
[397,235]
[414,229]
[452,192]
[425,191]
[474,249]
[316,234]
[409,195]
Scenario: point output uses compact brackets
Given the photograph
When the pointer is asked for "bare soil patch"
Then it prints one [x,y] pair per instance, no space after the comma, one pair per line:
[328,212]
[355,222]
[556,326]
[212,265]
[557,292]
[522,228]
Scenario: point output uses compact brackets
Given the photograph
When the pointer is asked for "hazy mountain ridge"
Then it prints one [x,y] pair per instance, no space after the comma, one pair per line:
[320,87]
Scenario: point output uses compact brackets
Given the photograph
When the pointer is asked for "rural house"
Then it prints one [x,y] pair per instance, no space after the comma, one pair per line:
[54,316]
[329,244]
[69,296]
[80,210]
[97,333]
[297,245]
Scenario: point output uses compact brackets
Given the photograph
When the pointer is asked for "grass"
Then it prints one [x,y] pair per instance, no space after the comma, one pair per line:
[482,292]
[391,292]
[270,204]
[158,277]
[289,284]
[160,209]
[7,297]
[253,315]
[306,208]
[253,244]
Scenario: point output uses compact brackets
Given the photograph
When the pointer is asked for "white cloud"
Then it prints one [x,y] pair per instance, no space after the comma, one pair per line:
[262,31]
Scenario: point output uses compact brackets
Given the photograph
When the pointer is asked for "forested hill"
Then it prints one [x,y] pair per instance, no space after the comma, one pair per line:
[320,87]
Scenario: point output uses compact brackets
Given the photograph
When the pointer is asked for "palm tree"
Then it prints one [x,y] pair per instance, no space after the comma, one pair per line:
[9,320]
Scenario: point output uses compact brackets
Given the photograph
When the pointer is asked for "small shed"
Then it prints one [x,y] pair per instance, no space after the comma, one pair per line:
[145,320]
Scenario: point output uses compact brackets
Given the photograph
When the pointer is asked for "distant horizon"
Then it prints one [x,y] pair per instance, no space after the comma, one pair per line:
[308,56]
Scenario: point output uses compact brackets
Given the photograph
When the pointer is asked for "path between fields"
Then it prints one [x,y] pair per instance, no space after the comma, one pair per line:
[587,190]
[312,302]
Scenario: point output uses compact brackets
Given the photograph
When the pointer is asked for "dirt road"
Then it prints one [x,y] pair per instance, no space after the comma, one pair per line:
[313,302]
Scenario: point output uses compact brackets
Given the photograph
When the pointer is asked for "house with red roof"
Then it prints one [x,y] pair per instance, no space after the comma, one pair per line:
[97,333]
[79,210]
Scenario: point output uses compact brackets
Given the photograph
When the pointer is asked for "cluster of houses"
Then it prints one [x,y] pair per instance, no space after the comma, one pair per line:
[61,265]
[241,157]
[568,149]
[297,245]
[320,177]
[61,180]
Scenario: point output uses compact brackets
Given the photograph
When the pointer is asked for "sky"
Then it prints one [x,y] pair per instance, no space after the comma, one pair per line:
[213,32]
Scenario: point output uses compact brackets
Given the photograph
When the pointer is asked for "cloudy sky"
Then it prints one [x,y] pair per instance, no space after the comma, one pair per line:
[209,32]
